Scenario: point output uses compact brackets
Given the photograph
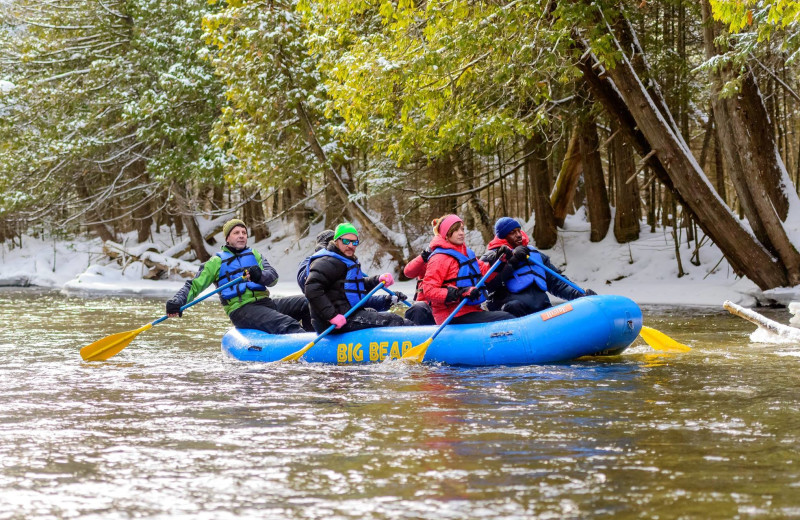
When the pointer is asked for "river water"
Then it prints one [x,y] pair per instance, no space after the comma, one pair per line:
[170,429]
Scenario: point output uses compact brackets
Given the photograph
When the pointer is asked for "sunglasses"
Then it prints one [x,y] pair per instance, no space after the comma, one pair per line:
[349,241]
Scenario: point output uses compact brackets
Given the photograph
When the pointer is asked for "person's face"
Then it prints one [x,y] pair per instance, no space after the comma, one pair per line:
[514,238]
[348,250]
[238,237]
[457,238]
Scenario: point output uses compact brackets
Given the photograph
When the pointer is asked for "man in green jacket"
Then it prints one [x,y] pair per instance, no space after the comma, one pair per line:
[247,304]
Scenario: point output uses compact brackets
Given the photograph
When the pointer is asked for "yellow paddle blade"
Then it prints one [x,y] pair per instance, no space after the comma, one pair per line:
[660,341]
[109,346]
[417,354]
[297,355]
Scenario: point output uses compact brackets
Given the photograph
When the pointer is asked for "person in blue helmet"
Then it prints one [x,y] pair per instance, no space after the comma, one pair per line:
[336,283]
[248,304]
[522,286]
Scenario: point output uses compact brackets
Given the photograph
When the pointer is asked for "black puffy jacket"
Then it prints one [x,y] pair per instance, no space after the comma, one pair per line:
[325,286]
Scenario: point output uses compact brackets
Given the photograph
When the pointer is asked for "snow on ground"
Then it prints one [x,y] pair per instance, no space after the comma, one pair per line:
[645,270]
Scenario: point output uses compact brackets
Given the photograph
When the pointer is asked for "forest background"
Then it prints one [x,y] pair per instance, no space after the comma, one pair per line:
[126,116]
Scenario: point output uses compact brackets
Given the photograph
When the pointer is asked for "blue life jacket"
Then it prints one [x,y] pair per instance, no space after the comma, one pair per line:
[469,272]
[302,273]
[354,287]
[233,265]
[527,273]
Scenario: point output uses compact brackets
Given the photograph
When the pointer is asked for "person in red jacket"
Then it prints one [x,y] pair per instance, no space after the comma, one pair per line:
[420,312]
[452,273]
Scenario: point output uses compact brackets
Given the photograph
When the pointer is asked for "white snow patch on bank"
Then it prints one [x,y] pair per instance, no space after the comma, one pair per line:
[645,270]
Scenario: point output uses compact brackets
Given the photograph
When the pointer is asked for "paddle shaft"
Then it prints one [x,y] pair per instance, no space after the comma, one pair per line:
[297,355]
[463,302]
[394,294]
[110,346]
[537,262]
[198,300]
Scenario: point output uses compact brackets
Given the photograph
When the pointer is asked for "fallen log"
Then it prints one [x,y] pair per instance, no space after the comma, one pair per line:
[779,329]
[158,263]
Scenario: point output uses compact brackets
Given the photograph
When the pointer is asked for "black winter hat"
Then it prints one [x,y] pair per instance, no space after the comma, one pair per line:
[323,238]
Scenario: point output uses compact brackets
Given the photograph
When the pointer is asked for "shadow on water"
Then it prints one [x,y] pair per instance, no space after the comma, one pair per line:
[169,428]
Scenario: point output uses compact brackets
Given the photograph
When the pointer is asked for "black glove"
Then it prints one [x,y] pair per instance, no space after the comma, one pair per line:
[255,274]
[401,297]
[425,254]
[520,255]
[503,252]
[589,292]
[453,295]
[470,293]
[174,307]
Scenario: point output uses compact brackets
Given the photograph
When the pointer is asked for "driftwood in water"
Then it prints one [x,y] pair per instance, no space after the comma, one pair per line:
[159,264]
[784,331]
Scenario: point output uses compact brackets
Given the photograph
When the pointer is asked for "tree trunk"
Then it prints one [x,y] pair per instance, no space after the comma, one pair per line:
[465,174]
[218,197]
[626,220]
[196,238]
[332,172]
[301,216]
[594,180]
[253,214]
[719,169]
[187,217]
[441,172]
[567,180]
[544,230]
[765,150]
[144,221]
[752,157]
[620,91]
[95,221]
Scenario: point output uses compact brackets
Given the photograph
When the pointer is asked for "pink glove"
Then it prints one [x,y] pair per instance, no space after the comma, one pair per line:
[339,321]
[387,279]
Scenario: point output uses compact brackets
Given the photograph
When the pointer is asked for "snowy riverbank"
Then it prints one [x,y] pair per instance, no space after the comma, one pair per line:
[645,270]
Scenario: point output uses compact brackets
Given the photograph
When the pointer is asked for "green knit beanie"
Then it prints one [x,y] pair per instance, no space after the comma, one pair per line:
[229,225]
[343,229]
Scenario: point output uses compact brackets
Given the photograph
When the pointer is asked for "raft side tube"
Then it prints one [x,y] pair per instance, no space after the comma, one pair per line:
[587,326]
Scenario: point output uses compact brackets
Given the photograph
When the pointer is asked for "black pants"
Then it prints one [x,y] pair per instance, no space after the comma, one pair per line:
[482,317]
[420,313]
[521,304]
[278,316]
[364,319]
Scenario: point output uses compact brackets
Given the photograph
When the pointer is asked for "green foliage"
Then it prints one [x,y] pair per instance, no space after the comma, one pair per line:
[180,98]
[739,15]
[756,22]
[259,54]
[65,108]
[105,90]
[120,97]
[419,80]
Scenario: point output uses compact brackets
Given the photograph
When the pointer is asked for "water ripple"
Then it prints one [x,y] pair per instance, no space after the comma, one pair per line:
[171,429]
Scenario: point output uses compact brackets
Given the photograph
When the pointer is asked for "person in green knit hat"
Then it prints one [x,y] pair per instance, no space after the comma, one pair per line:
[248,304]
[335,283]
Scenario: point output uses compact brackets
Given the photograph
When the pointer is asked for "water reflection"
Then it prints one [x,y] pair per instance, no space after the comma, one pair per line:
[169,428]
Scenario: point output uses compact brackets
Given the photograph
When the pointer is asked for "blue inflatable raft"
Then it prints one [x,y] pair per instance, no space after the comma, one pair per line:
[594,325]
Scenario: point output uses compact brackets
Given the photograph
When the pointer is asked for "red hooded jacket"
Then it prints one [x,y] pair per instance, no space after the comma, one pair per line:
[441,268]
[416,269]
